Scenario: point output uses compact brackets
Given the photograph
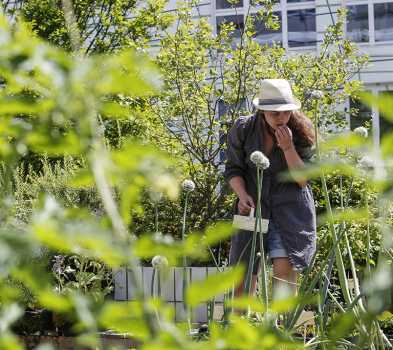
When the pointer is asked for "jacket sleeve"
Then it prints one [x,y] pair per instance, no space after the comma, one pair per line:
[235,155]
[306,153]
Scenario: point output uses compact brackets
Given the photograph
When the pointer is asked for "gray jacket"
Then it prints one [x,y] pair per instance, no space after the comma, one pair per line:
[286,203]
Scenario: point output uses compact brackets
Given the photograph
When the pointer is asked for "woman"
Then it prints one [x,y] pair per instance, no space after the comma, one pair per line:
[286,137]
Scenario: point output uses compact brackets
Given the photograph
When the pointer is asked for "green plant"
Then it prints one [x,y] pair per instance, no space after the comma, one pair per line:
[79,273]
[60,116]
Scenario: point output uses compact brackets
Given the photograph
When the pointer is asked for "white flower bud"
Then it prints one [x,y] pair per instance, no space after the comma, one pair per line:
[361,131]
[188,185]
[159,261]
[260,160]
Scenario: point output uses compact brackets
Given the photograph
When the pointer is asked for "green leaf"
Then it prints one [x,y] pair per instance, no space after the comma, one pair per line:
[347,215]
[124,317]
[54,301]
[115,110]
[284,305]
[21,106]
[243,303]
[387,145]
[218,232]
[342,325]
[383,102]
[343,143]
[216,284]
[10,342]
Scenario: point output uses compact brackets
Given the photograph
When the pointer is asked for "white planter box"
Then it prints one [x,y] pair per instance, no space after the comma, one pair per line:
[171,289]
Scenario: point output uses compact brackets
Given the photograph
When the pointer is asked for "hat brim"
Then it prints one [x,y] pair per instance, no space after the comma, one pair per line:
[277,107]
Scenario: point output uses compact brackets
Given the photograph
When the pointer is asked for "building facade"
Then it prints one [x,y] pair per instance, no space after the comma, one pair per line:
[302,26]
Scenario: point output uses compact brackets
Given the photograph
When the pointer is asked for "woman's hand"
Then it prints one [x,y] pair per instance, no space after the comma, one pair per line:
[245,204]
[284,137]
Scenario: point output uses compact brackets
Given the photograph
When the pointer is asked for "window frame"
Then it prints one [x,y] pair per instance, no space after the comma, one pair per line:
[371,20]
[282,6]
[360,3]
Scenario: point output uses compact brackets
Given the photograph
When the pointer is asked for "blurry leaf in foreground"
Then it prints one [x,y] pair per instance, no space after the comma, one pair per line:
[54,301]
[387,145]
[214,285]
[127,73]
[75,231]
[218,232]
[125,317]
[243,303]
[148,167]
[383,102]
[343,143]
[342,326]
[316,170]
[10,342]
[150,245]
[347,215]
[63,144]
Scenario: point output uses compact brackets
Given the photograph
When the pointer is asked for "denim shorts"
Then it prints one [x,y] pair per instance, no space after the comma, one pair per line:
[275,248]
[241,246]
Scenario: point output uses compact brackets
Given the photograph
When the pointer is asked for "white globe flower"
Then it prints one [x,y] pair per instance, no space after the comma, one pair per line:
[260,160]
[366,163]
[361,131]
[162,239]
[159,261]
[188,185]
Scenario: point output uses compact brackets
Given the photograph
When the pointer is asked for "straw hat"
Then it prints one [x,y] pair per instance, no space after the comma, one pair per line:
[276,95]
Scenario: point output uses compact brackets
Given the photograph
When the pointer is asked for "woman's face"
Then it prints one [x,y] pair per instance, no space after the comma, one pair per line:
[276,119]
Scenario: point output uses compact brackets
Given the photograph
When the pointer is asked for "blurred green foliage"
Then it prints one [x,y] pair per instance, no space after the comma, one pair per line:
[82,197]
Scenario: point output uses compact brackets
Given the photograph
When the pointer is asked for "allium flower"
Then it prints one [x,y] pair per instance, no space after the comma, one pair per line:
[162,239]
[361,131]
[260,160]
[159,261]
[366,163]
[188,185]
[315,94]
[57,267]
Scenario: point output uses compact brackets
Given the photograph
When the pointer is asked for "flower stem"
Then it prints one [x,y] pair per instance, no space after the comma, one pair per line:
[247,286]
[185,275]
[263,279]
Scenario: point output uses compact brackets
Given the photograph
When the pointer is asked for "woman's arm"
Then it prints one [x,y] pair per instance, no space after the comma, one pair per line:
[245,200]
[284,139]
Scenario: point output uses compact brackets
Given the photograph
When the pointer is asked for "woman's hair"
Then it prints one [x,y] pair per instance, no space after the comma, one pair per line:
[301,126]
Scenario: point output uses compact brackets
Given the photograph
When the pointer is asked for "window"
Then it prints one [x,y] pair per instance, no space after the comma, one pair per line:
[385,125]
[236,19]
[292,1]
[383,19]
[301,28]
[360,114]
[223,4]
[266,35]
[357,23]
